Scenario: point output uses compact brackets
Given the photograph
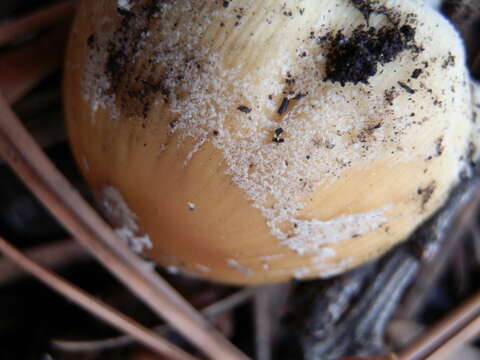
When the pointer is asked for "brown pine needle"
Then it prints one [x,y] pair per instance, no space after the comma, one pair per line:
[467,334]
[453,331]
[30,163]
[52,256]
[211,311]
[229,303]
[94,306]
[19,74]
[36,21]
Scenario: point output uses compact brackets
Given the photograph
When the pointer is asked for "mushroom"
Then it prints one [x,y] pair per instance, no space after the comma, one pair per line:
[254,141]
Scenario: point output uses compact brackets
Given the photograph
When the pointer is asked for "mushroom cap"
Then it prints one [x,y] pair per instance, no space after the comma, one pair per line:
[257,141]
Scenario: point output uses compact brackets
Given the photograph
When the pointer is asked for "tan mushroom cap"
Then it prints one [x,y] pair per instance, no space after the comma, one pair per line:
[220,131]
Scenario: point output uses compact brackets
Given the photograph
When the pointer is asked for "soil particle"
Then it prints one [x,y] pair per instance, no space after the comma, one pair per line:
[365,7]
[354,59]
[390,95]
[416,73]
[439,147]
[283,106]
[449,61]
[134,94]
[244,109]
[407,88]
[426,193]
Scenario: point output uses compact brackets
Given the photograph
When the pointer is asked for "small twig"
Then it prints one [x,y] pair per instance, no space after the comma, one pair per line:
[453,330]
[29,162]
[94,306]
[19,74]
[52,256]
[38,20]
[211,311]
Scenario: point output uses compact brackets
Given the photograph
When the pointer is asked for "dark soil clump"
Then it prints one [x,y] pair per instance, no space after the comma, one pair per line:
[355,59]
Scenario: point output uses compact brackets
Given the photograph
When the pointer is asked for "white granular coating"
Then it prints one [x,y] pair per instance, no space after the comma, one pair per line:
[196,147]
[301,273]
[311,235]
[136,243]
[325,132]
[325,270]
[270,181]
[123,219]
[95,81]
[271,257]
[202,268]
[330,270]
[323,254]
[234,264]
